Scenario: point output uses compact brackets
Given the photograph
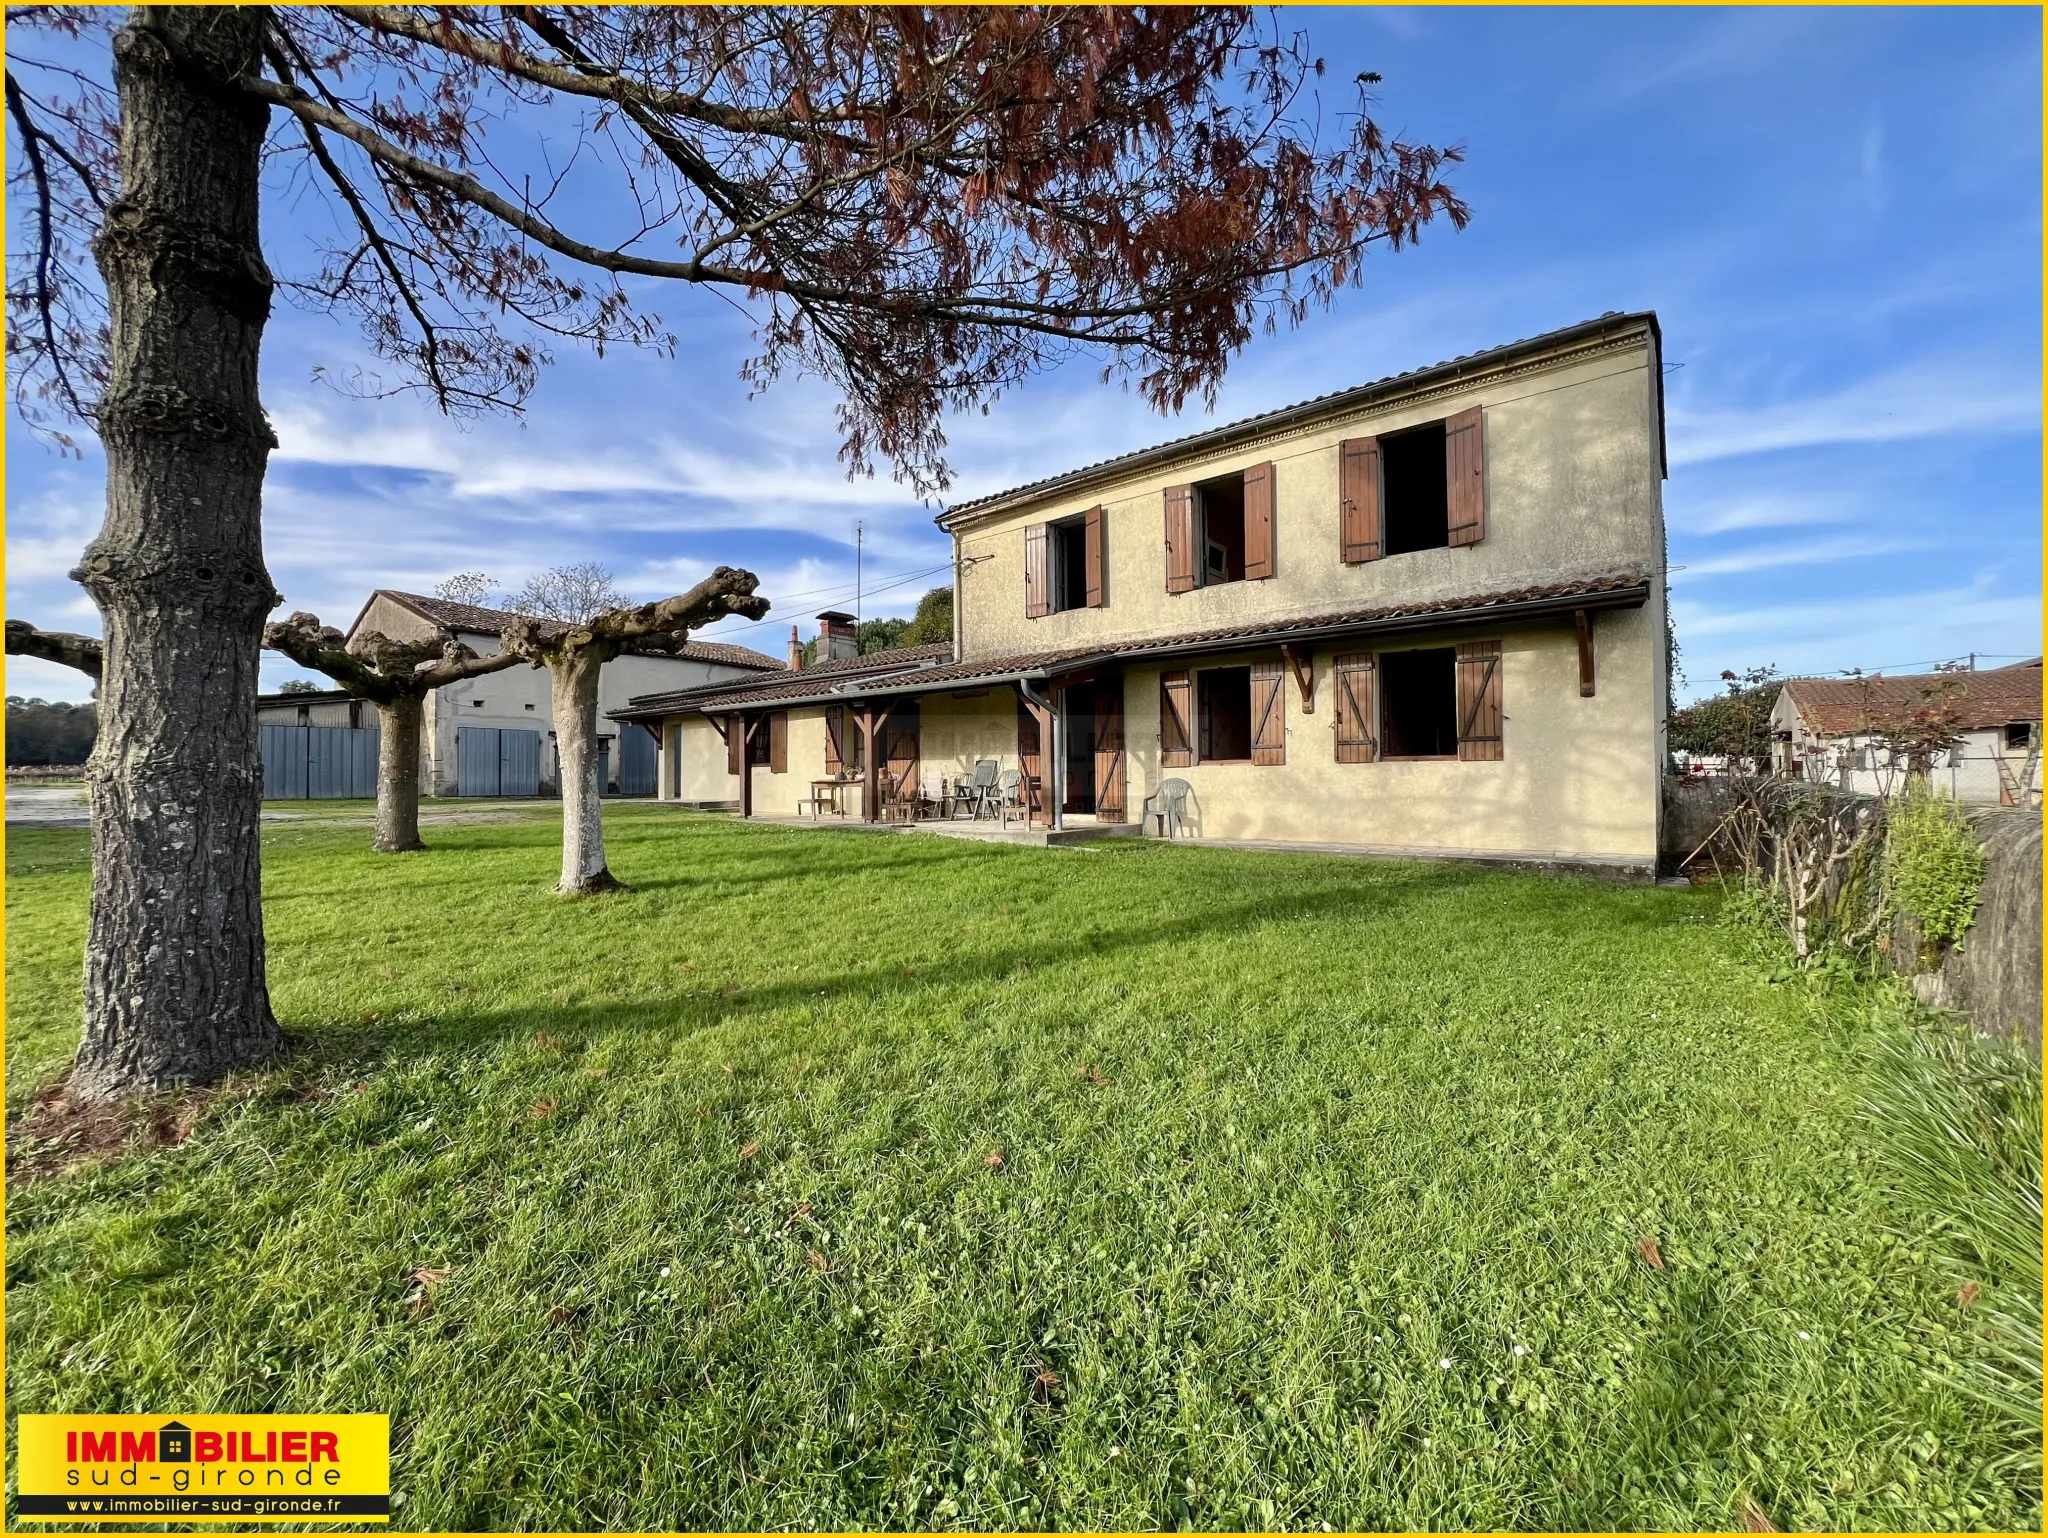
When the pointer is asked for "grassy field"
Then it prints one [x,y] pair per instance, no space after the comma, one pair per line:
[844,1181]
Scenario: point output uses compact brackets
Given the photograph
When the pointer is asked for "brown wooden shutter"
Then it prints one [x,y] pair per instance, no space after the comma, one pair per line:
[778,742]
[1353,677]
[1037,573]
[1180,539]
[1258,522]
[1479,709]
[1031,760]
[1176,698]
[735,745]
[903,750]
[1465,464]
[1109,750]
[1094,561]
[835,738]
[1358,492]
[1269,711]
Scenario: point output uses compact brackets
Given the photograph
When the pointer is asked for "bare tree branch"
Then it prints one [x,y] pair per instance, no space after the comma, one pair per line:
[32,141]
[376,667]
[83,652]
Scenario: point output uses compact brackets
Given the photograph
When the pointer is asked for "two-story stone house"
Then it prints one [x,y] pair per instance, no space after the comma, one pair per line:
[1423,615]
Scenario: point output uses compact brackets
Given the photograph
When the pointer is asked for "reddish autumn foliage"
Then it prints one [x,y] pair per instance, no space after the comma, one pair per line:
[923,204]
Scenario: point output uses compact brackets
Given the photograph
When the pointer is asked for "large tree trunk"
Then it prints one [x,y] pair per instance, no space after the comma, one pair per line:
[574,672]
[174,985]
[398,775]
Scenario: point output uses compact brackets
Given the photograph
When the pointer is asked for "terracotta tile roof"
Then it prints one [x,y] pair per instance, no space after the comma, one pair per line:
[820,679]
[478,620]
[1838,707]
[912,674]
[1321,405]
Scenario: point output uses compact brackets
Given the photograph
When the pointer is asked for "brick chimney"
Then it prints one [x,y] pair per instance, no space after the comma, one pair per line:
[796,652]
[837,638]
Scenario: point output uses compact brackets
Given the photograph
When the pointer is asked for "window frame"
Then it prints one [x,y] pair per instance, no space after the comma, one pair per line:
[1204,733]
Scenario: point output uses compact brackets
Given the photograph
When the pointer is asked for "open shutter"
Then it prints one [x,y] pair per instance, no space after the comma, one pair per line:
[1353,677]
[835,738]
[735,745]
[1269,711]
[1180,539]
[1037,573]
[778,742]
[1258,522]
[1358,492]
[1109,750]
[1465,464]
[1031,760]
[1479,712]
[1091,541]
[902,759]
[1176,697]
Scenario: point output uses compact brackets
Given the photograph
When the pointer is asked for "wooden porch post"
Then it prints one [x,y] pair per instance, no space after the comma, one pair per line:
[864,723]
[748,725]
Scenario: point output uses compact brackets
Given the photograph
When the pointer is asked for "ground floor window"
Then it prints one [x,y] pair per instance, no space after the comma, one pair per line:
[1419,703]
[1223,706]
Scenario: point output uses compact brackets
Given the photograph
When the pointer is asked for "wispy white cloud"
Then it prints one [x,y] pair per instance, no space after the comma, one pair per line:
[1776,557]
[1907,402]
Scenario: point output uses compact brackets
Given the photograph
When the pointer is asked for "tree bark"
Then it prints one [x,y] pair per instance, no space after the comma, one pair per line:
[574,673]
[174,979]
[398,775]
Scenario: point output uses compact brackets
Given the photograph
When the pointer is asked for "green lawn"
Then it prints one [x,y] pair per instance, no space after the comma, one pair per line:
[839,1180]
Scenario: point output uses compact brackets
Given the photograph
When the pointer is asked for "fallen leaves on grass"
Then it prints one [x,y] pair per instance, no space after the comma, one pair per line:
[803,1210]
[547,1042]
[540,1110]
[750,1150]
[1754,1518]
[1647,1248]
[63,1132]
[993,1158]
[1967,1294]
[430,1276]
[818,1261]
[1091,1073]
[1045,1383]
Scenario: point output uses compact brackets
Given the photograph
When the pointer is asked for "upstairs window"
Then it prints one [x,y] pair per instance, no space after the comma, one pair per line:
[1415,493]
[1220,530]
[1065,565]
[1419,489]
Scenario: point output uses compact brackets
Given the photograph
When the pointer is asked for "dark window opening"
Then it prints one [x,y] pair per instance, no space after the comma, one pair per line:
[1224,706]
[1219,530]
[1067,550]
[757,745]
[1079,735]
[1415,490]
[2019,734]
[1419,703]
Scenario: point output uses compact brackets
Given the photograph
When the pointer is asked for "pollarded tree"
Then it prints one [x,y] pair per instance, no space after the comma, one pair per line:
[574,655]
[397,676]
[922,205]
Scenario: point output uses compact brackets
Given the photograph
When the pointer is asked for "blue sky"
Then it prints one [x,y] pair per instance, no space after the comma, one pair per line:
[1836,214]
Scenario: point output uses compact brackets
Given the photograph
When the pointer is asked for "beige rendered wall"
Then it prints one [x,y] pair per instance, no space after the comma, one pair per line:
[775,795]
[703,776]
[1573,483]
[1578,777]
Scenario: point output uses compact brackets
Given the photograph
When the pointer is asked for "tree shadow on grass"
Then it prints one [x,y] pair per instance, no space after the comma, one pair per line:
[681,1016]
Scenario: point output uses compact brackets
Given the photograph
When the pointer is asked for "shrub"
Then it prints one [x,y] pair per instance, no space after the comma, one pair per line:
[1933,867]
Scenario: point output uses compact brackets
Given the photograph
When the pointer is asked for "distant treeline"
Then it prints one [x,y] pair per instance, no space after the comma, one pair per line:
[49,731]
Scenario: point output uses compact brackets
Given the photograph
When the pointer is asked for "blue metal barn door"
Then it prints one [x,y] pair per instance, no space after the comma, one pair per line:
[283,749]
[476,761]
[518,762]
[637,757]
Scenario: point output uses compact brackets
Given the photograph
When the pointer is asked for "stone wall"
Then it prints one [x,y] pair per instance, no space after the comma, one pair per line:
[1994,975]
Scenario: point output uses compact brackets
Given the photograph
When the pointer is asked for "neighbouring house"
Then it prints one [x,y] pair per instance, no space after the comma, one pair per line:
[318,707]
[1860,733]
[1424,615]
[494,735]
